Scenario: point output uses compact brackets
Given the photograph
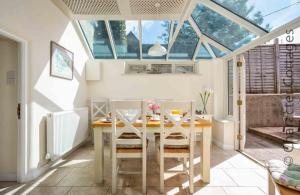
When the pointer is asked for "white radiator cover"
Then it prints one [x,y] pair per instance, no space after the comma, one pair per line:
[65,131]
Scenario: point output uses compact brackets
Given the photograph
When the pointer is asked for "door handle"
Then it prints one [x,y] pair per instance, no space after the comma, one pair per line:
[19,111]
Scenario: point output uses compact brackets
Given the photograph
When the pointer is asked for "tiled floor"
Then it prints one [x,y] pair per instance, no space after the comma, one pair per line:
[231,174]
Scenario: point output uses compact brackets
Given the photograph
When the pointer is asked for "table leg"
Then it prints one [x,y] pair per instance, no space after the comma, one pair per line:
[98,145]
[205,150]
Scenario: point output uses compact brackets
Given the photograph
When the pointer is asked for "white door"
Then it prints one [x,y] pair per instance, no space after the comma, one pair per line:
[8,109]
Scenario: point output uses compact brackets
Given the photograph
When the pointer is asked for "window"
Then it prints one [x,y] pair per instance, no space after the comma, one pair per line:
[203,53]
[221,29]
[261,13]
[126,39]
[230,86]
[154,31]
[96,35]
[185,69]
[185,43]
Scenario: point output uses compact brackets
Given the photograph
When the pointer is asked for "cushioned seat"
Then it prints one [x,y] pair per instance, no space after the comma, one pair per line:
[288,176]
[178,136]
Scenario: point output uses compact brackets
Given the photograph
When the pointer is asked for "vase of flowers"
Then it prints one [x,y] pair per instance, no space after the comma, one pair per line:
[204,95]
[154,107]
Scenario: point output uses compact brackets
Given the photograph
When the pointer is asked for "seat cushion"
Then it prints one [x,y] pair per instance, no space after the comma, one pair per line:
[288,176]
[157,142]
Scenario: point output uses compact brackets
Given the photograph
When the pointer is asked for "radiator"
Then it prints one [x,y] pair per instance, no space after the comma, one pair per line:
[65,131]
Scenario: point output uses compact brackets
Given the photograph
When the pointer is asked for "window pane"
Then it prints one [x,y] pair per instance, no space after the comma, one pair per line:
[203,53]
[220,28]
[96,35]
[262,13]
[185,43]
[217,52]
[126,38]
[154,31]
[230,87]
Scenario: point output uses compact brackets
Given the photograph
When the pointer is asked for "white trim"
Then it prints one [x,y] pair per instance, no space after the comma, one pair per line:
[233,17]
[197,49]
[206,38]
[140,41]
[22,148]
[262,40]
[82,38]
[210,51]
[170,37]
[184,16]
[112,43]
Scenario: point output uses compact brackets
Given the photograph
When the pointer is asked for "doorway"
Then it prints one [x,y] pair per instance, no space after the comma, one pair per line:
[14,82]
[8,108]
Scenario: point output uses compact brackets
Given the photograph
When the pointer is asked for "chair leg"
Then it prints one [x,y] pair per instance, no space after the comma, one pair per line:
[184,164]
[299,126]
[162,171]
[271,187]
[114,172]
[144,171]
[191,175]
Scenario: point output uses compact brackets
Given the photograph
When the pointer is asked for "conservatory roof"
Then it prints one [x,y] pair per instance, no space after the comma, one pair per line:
[188,29]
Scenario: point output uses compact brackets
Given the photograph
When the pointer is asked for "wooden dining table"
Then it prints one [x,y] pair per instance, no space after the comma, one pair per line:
[201,126]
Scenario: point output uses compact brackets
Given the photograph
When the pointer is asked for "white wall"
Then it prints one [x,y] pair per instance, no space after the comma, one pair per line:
[8,105]
[39,22]
[115,85]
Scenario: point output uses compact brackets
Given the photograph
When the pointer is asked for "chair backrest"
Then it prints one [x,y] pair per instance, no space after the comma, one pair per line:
[125,114]
[169,135]
[99,108]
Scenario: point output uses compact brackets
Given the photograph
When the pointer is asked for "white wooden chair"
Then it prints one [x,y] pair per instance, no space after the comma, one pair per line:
[128,141]
[99,107]
[177,141]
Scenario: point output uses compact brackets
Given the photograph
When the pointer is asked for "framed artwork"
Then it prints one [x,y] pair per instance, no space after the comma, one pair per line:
[61,61]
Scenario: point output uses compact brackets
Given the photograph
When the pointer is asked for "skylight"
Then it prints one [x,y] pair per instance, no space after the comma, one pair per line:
[154,31]
[185,43]
[213,29]
[221,29]
[126,39]
[97,37]
[262,13]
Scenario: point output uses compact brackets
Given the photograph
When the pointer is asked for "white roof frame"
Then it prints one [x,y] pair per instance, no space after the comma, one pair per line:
[262,40]
[111,38]
[189,6]
[197,49]
[170,38]
[234,17]
[206,38]
[209,49]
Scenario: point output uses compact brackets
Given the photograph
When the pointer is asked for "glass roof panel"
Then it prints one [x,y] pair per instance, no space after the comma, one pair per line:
[185,43]
[96,35]
[154,31]
[260,12]
[126,38]
[203,53]
[217,52]
[220,28]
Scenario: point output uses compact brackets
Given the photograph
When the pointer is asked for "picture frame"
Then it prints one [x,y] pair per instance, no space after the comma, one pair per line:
[61,61]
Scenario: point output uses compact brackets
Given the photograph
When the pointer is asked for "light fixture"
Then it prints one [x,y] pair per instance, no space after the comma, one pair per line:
[157,49]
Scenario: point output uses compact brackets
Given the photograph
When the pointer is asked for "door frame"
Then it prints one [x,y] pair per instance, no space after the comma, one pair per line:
[22,82]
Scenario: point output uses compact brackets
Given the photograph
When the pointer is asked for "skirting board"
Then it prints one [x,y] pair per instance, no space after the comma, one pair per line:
[223,146]
[39,171]
[8,176]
